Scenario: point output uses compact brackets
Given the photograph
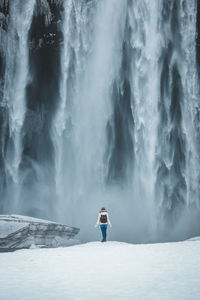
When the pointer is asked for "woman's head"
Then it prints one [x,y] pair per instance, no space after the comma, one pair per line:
[103,208]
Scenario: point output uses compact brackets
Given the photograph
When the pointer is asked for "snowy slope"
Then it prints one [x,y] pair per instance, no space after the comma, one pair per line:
[21,218]
[111,270]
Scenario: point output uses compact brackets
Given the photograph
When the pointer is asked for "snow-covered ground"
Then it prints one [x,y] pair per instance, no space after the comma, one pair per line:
[111,270]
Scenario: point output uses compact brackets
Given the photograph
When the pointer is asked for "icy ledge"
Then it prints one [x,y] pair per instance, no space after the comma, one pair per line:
[18,232]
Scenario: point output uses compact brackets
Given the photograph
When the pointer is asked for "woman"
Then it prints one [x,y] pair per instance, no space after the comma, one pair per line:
[103,221]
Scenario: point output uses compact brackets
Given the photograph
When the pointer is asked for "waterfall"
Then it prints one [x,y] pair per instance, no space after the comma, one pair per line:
[14,94]
[100,107]
[177,150]
[75,45]
[191,102]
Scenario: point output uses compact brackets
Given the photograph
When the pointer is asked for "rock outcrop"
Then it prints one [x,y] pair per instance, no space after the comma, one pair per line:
[18,232]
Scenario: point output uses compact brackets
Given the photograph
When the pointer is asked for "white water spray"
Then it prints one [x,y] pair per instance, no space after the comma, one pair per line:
[16,78]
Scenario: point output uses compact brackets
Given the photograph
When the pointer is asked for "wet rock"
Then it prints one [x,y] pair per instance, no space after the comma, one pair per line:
[18,232]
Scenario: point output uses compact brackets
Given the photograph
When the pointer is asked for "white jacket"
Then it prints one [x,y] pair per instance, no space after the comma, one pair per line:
[103,212]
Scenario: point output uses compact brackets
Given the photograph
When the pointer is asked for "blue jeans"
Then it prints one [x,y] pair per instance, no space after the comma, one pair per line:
[103,230]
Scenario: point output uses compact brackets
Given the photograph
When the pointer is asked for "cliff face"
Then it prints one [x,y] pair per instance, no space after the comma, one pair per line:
[45,40]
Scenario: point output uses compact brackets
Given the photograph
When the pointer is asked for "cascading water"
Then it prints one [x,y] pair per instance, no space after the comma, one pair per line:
[177,149]
[103,110]
[14,93]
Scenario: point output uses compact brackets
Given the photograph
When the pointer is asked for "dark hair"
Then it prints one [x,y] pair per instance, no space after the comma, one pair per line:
[103,208]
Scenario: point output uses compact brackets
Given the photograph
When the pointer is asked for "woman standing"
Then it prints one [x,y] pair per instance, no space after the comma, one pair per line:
[103,221]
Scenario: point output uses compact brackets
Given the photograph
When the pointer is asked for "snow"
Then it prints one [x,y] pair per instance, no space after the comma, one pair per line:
[111,270]
[7,228]
[20,218]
